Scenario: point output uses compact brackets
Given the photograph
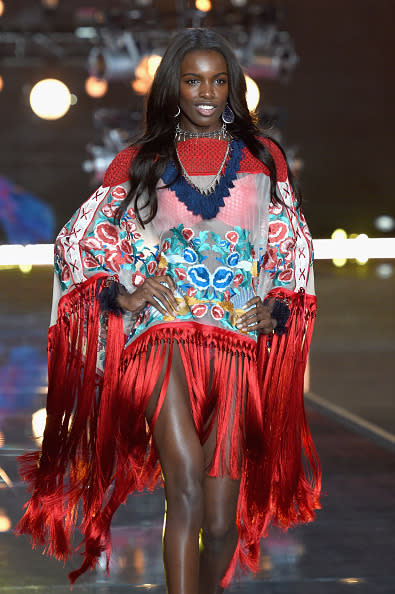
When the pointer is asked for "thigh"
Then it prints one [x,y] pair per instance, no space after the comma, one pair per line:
[175,437]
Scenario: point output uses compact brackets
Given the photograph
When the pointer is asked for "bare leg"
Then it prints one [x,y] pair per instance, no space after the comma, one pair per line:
[219,534]
[182,462]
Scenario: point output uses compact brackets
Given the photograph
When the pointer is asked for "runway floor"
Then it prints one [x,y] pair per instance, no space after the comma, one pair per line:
[348,549]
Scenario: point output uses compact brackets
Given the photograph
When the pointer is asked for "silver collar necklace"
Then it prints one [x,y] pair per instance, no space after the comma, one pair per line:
[181,134]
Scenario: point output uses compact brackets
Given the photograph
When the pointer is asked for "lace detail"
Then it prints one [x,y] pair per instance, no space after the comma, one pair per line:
[206,206]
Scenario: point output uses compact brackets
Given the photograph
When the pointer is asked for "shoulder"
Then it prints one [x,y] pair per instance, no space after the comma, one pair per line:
[118,170]
[251,164]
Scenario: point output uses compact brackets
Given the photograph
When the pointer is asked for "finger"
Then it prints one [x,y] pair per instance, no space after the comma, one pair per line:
[161,288]
[155,301]
[252,302]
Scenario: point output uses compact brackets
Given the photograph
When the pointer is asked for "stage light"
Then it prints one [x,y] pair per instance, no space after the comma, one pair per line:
[1,83]
[1,8]
[52,4]
[339,234]
[339,262]
[362,251]
[203,5]
[238,3]
[117,60]
[253,93]
[384,223]
[2,439]
[96,87]
[384,270]
[153,64]
[141,86]
[38,424]
[50,99]
[5,522]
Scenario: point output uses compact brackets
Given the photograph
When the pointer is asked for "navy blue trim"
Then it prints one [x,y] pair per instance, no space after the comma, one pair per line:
[107,293]
[280,313]
[206,206]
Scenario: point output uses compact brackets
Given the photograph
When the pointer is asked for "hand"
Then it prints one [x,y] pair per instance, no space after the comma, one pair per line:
[158,291]
[258,317]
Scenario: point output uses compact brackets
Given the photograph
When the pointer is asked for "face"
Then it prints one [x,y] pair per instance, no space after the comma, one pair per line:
[203,90]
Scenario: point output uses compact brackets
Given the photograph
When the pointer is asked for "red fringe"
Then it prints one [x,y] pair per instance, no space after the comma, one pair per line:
[97,445]
[276,488]
[78,454]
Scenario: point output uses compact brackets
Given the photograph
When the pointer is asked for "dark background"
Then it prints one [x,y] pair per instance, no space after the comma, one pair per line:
[337,108]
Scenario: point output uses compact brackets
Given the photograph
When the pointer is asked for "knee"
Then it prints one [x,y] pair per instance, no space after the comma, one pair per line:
[218,531]
[184,492]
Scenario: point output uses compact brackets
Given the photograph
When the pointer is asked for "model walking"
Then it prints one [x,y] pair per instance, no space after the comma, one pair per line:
[183,312]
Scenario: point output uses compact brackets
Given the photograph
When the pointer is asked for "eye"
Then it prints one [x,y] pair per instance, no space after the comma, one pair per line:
[191,81]
[221,81]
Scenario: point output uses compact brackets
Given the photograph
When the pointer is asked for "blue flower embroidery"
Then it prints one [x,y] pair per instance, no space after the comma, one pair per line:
[199,276]
[190,256]
[233,259]
[222,278]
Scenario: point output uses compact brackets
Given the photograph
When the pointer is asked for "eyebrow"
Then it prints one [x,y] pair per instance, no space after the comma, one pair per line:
[198,75]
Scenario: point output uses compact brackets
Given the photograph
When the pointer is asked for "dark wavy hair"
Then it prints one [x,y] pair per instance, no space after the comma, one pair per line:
[156,146]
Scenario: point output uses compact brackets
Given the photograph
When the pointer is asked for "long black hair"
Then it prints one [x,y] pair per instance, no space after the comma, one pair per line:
[156,146]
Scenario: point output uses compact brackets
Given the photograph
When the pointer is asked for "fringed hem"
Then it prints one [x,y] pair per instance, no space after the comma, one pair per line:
[98,449]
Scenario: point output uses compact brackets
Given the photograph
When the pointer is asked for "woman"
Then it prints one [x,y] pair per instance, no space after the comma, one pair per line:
[183,312]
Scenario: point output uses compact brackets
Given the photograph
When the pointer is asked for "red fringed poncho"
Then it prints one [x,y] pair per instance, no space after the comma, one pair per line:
[103,367]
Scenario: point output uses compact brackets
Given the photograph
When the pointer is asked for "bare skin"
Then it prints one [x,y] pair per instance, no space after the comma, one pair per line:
[195,502]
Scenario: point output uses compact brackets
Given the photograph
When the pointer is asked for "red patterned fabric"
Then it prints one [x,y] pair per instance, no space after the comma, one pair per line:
[200,158]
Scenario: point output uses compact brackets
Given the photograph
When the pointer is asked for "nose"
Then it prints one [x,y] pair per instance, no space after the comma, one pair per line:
[206,89]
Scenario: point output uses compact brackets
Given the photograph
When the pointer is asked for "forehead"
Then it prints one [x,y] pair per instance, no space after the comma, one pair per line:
[203,61]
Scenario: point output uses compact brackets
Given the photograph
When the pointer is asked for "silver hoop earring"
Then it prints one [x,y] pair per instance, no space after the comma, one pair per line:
[178,112]
[227,115]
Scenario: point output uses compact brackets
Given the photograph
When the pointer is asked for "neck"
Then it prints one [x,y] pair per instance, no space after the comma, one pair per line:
[182,134]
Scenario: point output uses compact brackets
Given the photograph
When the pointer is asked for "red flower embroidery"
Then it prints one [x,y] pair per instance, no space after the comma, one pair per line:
[198,310]
[107,233]
[151,266]
[65,274]
[217,312]
[137,235]
[90,261]
[277,231]
[287,248]
[226,295]
[165,246]
[91,243]
[181,273]
[187,233]
[191,292]
[119,193]
[138,279]
[270,259]
[126,247]
[286,275]
[238,278]
[232,236]
[114,260]
[109,210]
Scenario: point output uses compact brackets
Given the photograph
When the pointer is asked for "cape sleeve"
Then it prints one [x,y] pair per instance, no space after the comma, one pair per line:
[78,459]
[290,482]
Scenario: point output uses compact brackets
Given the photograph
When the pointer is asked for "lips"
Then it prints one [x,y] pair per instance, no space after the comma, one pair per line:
[205,109]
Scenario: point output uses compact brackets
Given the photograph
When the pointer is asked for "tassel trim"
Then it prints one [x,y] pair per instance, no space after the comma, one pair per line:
[97,446]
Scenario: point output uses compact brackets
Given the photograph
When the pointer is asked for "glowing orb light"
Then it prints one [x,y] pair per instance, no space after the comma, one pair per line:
[50,99]
[38,424]
[203,5]
[96,87]
[253,93]
[5,522]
